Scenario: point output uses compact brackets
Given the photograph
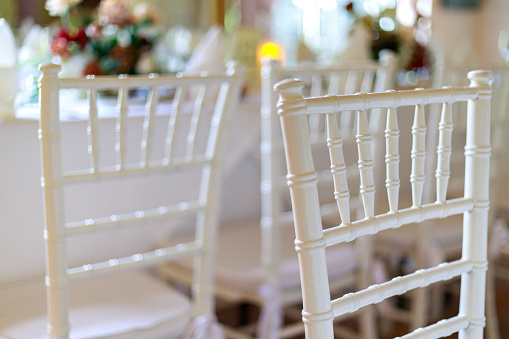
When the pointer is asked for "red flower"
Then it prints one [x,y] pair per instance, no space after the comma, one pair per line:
[79,36]
[349,7]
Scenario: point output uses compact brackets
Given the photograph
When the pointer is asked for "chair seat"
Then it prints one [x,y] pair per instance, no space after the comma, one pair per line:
[121,305]
[239,253]
[447,233]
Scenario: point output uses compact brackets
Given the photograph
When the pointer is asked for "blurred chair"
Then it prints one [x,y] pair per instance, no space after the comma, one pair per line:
[319,311]
[119,297]
[257,263]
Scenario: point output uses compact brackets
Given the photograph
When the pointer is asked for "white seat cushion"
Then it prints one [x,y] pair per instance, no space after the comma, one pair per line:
[447,233]
[109,306]
[239,252]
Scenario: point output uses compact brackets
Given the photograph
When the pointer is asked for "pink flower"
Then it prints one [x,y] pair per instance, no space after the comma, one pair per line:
[115,12]
[59,47]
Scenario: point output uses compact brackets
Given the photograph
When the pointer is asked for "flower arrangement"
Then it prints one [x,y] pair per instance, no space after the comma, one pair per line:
[414,57]
[108,36]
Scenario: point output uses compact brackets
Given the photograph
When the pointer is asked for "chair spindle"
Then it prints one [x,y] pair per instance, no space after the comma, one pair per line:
[93,144]
[121,127]
[364,145]
[173,122]
[148,124]
[418,155]
[367,80]
[444,151]
[195,121]
[338,168]
[392,159]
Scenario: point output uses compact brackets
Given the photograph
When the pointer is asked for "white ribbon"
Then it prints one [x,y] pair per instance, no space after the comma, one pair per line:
[204,327]
[269,321]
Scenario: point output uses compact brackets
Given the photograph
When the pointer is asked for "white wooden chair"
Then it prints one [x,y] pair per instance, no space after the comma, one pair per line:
[119,298]
[416,243]
[266,274]
[454,74]
[311,241]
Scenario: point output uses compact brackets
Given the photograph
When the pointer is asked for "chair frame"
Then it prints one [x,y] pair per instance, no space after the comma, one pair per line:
[445,73]
[58,275]
[311,241]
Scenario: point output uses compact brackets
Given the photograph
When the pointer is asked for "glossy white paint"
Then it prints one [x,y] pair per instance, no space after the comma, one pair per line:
[319,311]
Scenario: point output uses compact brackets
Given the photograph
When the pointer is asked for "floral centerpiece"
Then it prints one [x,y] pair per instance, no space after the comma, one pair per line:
[414,57]
[104,37]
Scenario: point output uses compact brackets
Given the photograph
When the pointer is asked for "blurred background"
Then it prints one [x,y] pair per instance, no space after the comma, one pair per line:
[91,36]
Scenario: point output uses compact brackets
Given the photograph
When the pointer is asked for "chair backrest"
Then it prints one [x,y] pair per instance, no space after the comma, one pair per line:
[311,240]
[451,74]
[367,75]
[190,142]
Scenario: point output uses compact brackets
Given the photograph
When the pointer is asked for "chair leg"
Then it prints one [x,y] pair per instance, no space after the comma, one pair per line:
[492,326]
[419,308]
[368,322]
[419,297]
[437,301]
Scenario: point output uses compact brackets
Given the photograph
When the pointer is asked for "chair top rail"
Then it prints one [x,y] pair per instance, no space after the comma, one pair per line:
[351,302]
[390,99]
[452,67]
[130,82]
[136,81]
[135,261]
[364,101]
[141,216]
[386,57]
[368,226]
[326,71]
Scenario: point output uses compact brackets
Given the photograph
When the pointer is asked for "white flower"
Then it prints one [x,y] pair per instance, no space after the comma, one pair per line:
[124,38]
[144,11]
[59,7]
[110,30]
[74,66]
[145,64]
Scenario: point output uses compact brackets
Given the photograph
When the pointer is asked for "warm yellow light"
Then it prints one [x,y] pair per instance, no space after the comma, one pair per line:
[271,50]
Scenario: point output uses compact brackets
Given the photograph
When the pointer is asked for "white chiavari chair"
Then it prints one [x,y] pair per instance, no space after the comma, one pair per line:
[266,274]
[120,297]
[417,244]
[453,74]
[312,240]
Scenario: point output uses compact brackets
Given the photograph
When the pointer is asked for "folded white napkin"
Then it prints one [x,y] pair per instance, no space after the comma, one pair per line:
[208,56]
[7,45]
[36,46]
[9,72]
